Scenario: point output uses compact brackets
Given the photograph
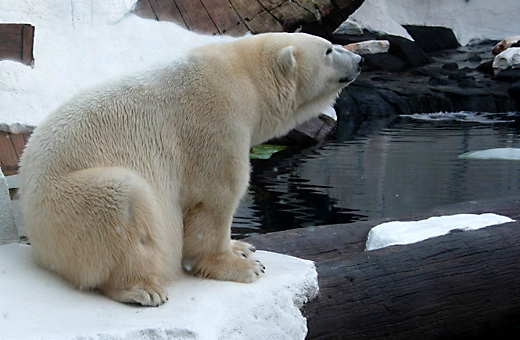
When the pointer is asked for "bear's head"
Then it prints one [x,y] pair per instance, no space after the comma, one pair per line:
[317,66]
[302,75]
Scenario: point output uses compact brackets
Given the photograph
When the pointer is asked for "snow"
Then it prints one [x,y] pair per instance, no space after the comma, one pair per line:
[470,20]
[80,43]
[37,304]
[392,233]
[512,154]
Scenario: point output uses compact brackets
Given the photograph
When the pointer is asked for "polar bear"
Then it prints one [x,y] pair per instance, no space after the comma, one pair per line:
[128,182]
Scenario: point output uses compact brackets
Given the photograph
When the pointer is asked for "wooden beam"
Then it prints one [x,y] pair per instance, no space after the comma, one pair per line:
[236,17]
[451,287]
[27,44]
[16,42]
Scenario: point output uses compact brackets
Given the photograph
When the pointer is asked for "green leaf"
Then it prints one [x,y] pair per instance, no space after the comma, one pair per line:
[265,151]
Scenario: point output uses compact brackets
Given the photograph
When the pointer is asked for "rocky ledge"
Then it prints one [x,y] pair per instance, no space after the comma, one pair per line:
[431,74]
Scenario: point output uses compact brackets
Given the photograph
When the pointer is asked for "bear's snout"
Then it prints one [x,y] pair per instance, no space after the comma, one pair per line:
[361,62]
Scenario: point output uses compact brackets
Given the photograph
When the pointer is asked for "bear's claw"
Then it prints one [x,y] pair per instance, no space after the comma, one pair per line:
[145,295]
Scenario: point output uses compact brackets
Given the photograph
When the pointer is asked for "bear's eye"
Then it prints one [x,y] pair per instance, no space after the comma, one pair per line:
[329,51]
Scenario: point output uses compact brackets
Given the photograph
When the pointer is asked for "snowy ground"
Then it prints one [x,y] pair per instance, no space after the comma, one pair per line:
[36,304]
[80,43]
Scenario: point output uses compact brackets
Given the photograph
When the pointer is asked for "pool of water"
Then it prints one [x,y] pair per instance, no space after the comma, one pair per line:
[385,168]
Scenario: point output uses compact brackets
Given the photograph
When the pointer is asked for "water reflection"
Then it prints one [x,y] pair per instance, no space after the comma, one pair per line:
[386,168]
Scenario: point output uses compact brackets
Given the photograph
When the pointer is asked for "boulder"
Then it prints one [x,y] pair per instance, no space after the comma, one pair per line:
[349,27]
[510,58]
[369,47]
[432,38]
[402,53]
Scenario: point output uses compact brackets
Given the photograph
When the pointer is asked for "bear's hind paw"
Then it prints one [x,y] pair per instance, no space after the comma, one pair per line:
[151,295]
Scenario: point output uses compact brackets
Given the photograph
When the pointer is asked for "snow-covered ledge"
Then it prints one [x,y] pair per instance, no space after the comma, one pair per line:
[37,304]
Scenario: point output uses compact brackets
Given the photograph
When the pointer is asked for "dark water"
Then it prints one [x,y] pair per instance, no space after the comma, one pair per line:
[386,168]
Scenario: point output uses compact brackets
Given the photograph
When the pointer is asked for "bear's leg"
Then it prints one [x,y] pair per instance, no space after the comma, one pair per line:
[209,250]
[102,234]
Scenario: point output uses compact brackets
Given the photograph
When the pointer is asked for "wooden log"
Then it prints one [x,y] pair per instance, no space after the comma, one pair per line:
[462,285]
[237,17]
[308,133]
[455,286]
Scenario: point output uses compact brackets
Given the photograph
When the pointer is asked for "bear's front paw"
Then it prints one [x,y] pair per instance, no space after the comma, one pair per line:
[242,248]
[234,266]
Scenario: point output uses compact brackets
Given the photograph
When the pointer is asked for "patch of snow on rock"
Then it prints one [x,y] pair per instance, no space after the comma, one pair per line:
[393,233]
[37,304]
[510,58]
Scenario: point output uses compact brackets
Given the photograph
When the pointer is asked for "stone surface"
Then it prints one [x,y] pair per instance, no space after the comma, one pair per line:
[8,232]
[456,79]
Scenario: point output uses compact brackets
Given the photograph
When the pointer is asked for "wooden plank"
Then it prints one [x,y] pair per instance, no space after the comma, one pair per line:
[270,4]
[11,52]
[264,22]
[224,16]
[247,9]
[145,10]
[291,15]
[196,16]
[11,37]
[8,158]
[167,10]
[18,142]
[25,137]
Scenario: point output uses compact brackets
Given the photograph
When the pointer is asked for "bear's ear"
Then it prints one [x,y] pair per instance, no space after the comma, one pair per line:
[286,59]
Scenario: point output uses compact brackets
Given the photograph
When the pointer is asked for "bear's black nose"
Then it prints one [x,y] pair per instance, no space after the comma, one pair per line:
[361,62]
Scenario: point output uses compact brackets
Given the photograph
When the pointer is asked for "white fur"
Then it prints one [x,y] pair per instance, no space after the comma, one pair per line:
[123,181]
